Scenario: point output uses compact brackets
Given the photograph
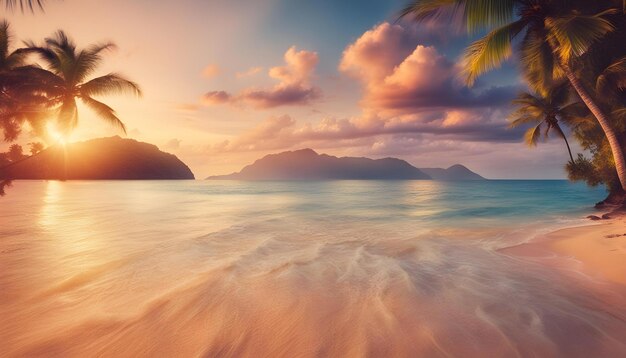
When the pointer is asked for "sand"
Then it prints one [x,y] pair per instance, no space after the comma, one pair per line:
[597,250]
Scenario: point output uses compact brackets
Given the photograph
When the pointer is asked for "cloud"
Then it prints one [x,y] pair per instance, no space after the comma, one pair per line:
[376,52]
[412,104]
[216,97]
[249,72]
[211,71]
[284,132]
[410,78]
[294,87]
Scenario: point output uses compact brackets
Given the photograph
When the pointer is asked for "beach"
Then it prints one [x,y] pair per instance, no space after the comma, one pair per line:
[327,268]
[597,249]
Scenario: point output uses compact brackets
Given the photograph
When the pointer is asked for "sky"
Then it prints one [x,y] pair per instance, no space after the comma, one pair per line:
[226,82]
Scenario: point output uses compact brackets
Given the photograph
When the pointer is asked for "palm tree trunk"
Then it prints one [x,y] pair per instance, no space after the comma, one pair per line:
[560,131]
[603,119]
[568,149]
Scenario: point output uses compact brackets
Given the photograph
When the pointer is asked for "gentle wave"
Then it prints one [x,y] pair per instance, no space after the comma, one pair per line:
[167,269]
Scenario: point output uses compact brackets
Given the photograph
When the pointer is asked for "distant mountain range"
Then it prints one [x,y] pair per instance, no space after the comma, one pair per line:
[456,172]
[103,158]
[306,164]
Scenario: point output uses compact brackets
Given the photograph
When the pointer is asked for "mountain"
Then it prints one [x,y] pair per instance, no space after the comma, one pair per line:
[102,158]
[306,164]
[456,172]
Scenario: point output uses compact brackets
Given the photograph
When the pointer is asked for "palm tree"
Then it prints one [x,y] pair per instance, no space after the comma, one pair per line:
[554,33]
[21,88]
[546,113]
[9,60]
[68,70]
[611,82]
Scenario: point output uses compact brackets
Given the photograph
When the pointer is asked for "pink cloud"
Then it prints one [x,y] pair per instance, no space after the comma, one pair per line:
[294,85]
[249,72]
[373,55]
[284,132]
[298,69]
[411,102]
[216,97]
[400,76]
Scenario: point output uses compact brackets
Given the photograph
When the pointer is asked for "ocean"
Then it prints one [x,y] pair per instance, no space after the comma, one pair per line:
[296,269]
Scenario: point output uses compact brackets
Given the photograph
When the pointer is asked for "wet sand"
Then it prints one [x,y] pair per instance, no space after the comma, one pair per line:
[185,270]
[597,250]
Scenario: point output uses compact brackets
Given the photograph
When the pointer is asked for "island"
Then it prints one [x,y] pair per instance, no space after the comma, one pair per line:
[307,164]
[111,158]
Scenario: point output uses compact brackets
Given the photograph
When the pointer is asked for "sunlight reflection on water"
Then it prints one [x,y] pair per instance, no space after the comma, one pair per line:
[292,269]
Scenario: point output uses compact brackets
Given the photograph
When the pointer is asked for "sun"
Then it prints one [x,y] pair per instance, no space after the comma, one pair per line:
[55,134]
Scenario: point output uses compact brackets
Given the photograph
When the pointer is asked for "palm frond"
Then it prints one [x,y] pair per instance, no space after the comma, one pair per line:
[619,114]
[30,82]
[481,14]
[96,49]
[532,135]
[574,34]
[612,78]
[574,113]
[537,61]
[424,10]
[62,42]
[50,57]
[88,60]
[64,49]
[108,84]
[558,94]
[518,121]
[5,39]
[24,4]
[104,112]
[529,104]
[17,58]
[475,14]
[11,126]
[8,59]
[490,51]
[528,99]
[68,115]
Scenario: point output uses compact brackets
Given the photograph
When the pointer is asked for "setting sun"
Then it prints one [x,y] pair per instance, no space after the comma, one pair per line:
[297,178]
[56,135]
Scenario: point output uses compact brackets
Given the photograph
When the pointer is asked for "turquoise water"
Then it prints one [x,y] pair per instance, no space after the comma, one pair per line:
[336,268]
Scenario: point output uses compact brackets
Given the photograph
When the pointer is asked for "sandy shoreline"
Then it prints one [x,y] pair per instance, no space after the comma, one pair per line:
[597,250]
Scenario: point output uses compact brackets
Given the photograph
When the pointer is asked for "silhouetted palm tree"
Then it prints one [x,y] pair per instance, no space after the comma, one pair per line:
[68,70]
[554,33]
[545,113]
[22,92]
[9,60]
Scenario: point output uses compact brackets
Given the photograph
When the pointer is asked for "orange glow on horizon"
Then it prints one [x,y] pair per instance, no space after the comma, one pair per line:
[56,135]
